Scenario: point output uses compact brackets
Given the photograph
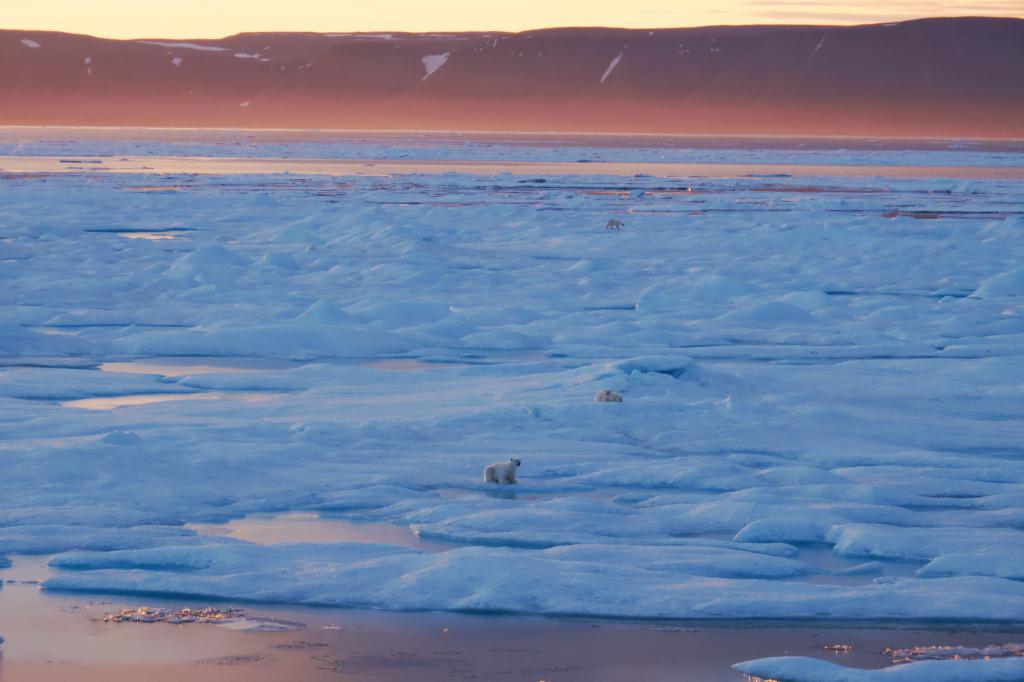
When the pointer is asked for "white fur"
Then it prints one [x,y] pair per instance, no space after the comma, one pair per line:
[606,395]
[501,472]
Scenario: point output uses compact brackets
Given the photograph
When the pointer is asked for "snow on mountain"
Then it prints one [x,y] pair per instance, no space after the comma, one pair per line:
[185,46]
[611,67]
[433,62]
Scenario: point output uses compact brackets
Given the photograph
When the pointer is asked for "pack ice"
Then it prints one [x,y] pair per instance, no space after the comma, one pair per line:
[821,414]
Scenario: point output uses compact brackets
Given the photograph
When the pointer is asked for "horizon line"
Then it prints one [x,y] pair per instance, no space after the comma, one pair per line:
[331,33]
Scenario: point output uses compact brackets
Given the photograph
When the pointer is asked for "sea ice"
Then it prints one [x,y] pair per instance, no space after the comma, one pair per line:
[804,378]
[798,669]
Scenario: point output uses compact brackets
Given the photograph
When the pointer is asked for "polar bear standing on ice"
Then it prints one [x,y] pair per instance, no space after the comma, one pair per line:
[502,472]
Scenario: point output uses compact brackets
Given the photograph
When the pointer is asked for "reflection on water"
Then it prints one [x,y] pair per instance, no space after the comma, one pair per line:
[405,365]
[112,402]
[150,236]
[823,557]
[62,636]
[178,366]
[57,630]
[294,527]
[196,364]
[385,167]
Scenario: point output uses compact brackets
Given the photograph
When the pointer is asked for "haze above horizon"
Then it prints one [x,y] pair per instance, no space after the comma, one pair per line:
[203,19]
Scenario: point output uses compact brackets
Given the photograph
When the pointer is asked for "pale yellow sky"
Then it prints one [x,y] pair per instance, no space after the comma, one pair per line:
[217,18]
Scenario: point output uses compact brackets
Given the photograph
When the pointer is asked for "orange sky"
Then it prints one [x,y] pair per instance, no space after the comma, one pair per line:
[217,18]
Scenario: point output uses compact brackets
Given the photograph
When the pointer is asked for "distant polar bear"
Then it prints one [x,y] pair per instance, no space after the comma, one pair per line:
[502,472]
[606,395]
[614,224]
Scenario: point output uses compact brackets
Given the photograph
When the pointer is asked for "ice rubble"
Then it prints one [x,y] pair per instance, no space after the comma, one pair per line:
[942,653]
[801,373]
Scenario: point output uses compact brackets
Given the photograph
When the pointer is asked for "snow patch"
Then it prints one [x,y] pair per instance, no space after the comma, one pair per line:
[769,314]
[371,36]
[1005,284]
[677,367]
[185,46]
[433,62]
[27,42]
[611,67]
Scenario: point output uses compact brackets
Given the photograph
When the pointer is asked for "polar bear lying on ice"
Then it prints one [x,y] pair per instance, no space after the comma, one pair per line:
[607,396]
[502,472]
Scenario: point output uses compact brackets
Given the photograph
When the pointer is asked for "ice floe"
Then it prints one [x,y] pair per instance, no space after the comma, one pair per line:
[800,669]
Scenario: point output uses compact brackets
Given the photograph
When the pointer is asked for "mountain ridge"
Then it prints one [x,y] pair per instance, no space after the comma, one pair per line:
[927,77]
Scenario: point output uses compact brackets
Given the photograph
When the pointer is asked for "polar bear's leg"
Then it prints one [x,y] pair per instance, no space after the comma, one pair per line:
[490,476]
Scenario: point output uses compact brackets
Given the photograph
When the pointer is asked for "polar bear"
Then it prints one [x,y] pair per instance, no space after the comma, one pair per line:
[502,472]
[614,224]
[606,395]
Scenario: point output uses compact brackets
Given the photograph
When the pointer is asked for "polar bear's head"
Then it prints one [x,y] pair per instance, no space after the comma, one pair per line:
[516,461]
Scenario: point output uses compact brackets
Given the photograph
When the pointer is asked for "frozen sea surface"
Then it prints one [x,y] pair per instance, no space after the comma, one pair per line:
[821,380]
[74,142]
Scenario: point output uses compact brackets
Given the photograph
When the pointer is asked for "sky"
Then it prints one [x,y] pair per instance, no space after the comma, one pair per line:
[218,18]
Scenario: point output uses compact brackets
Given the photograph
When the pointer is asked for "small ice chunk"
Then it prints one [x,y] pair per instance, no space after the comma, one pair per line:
[177,61]
[256,625]
[947,653]
[27,42]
